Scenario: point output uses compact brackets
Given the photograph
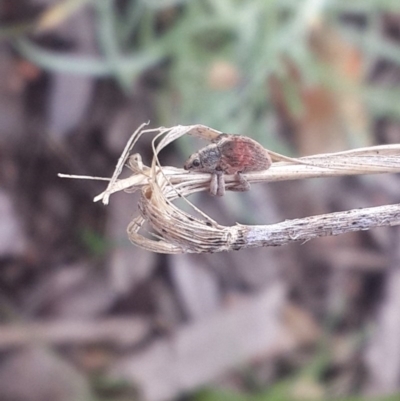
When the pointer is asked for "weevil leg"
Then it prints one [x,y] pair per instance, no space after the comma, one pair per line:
[214,184]
[217,184]
[243,185]
[221,184]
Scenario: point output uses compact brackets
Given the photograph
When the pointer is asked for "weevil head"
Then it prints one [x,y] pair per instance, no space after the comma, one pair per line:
[193,162]
[205,160]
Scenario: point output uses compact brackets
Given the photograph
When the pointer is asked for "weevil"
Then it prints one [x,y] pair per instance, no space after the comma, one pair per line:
[229,154]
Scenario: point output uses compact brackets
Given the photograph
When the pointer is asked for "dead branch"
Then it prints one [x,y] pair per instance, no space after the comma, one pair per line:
[119,331]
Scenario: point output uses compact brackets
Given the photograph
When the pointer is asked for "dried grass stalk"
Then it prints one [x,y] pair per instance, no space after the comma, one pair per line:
[172,230]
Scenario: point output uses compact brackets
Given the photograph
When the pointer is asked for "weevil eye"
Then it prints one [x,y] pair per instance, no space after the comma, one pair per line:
[196,163]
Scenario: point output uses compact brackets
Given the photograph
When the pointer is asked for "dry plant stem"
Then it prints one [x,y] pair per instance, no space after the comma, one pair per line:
[318,226]
[171,230]
[196,182]
[181,233]
[371,160]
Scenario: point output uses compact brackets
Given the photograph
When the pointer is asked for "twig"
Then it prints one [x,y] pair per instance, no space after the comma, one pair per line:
[318,226]
[119,331]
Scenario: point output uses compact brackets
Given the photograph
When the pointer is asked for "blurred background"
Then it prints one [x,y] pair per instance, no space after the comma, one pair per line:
[85,315]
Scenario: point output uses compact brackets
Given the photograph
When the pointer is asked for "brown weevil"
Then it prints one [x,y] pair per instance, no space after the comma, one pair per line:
[229,154]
